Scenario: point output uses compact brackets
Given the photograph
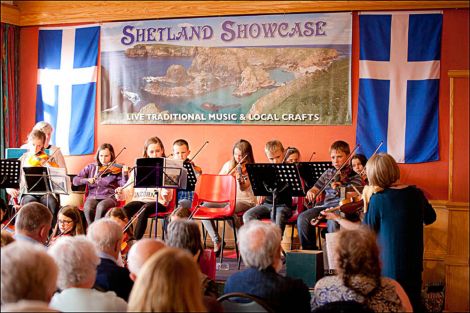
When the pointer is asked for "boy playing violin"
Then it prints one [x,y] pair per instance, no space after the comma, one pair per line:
[339,153]
[181,152]
[275,153]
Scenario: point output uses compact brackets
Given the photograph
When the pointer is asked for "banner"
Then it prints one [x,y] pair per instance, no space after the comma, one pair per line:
[290,69]
[399,84]
[66,87]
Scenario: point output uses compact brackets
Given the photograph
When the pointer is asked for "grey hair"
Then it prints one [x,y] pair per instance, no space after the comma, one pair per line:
[28,273]
[259,242]
[76,258]
[32,216]
[105,234]
[184,234]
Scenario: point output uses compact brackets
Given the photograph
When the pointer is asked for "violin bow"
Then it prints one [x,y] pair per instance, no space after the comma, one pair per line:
[205,143]
[311,156]
[111,163]
[375,151]
[336,173]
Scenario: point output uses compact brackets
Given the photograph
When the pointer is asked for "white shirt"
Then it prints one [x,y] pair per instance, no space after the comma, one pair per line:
[87,300]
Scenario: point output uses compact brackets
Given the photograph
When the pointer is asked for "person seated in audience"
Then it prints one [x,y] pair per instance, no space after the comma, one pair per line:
[339,153]
[140,252]
[33,223]
[242,154]
[275,154]
[69,223]
[144,198]
[359,278]
[260,249]
[55,151]
[35,157]
[107,237]
[185,234]
[77,260]
[168,282]
[28,273]
[101,178]
[342,306]
[358,164]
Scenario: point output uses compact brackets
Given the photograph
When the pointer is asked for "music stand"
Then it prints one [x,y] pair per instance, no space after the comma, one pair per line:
[269,179]
[43,180]
[192,179]
[311,172]
[10,173]
[148,173]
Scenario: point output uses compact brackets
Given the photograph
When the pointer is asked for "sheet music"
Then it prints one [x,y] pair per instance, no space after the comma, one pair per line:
[60,182]
[173,172]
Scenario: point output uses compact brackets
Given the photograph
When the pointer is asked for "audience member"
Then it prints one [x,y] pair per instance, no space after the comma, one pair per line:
[260,248]
[359,278]
[33,223]
[28,273]
[168,282]
[185,234]
[107,236]
[140,252]
[77,260]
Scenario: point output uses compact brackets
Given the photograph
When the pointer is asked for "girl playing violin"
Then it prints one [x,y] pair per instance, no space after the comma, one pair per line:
[292,155]
[145,197]
[101,178]
[242,154]
[119,216]
[69,223]
[358,164]
[55,152]
[35,157]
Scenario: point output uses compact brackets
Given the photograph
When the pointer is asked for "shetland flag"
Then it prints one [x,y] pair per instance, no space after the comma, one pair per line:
[66,88]
[399,66]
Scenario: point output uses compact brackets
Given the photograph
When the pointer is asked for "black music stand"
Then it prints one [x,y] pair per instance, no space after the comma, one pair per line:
[311,172]
[269,179]
[43,180]
[192,178]
[10,173]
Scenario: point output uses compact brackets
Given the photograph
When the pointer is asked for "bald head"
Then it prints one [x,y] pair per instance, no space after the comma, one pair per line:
[140,252]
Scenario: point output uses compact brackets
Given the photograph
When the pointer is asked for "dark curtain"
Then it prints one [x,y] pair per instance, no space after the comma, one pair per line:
[9,128]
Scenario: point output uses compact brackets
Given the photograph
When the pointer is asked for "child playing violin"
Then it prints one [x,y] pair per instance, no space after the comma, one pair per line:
[144,198]
[101,178]
[35,157]
[119,216]
[293,155]
[284,209]
[242,154]
[69,223]
[339,153]
[181,152]
[358,164]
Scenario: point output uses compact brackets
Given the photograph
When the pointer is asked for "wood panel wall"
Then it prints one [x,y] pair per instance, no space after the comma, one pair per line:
[31,13]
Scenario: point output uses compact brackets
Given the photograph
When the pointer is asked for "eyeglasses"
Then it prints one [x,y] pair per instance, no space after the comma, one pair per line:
[64,221]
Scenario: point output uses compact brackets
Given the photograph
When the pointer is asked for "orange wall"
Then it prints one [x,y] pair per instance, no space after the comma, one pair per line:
[431,177]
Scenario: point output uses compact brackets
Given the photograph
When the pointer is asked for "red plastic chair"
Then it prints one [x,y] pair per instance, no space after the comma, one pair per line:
[162,215]
[218,189]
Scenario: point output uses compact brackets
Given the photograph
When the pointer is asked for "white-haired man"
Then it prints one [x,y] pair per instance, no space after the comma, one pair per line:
[106,234]
[140,252]
[29,275]
[260,248]
[33,223]
[77,259]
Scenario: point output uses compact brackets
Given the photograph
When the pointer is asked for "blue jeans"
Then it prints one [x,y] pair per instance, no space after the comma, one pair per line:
[283,213]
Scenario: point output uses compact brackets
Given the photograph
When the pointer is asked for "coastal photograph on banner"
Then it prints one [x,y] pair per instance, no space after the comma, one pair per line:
[290,69]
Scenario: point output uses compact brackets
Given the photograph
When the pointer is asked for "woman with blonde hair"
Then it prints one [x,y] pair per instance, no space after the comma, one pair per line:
[359,278]
[168,282]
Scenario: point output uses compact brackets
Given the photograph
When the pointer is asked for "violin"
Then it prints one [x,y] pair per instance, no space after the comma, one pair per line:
[348,205]
[110,169]
[241,175]
[40,159]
